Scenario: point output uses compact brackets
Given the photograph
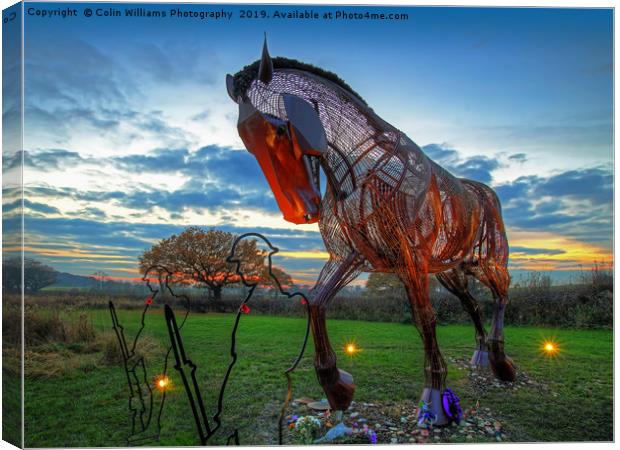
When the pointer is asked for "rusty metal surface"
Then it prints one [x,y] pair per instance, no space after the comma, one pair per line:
[387,207]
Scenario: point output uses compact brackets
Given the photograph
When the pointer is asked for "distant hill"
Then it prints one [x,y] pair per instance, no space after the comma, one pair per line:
[68,280]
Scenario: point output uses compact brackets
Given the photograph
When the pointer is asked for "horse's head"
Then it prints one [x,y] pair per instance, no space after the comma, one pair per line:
[283,137]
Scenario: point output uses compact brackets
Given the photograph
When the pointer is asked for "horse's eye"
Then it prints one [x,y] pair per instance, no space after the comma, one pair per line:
[281,130]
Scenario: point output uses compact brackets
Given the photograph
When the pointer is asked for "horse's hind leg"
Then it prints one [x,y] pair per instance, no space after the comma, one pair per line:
[455,281]
[496,278]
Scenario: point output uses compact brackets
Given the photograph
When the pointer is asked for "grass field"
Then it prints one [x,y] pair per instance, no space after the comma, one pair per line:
[87,406]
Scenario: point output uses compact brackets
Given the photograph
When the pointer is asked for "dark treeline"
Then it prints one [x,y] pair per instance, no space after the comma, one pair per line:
[574,306]
[533,301]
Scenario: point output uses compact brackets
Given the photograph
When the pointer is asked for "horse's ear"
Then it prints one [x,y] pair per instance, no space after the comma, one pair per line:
[230,87]
[306,123]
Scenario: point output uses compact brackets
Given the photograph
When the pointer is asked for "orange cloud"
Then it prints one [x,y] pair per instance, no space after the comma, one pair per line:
[313,254]
[565,253]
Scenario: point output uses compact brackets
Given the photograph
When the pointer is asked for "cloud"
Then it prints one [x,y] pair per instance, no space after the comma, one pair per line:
[537,251]
[518,157]
[44,160]
[477,168]
[32,206]
[210,197]
[594,185]
[81,245]
[89,95]
[91,213]
[179,61]
[576,203]
[229,166]
[224,165]
[441,154]
[161,160]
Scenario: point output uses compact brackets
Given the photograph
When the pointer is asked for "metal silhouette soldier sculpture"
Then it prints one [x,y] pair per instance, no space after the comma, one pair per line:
[387,208]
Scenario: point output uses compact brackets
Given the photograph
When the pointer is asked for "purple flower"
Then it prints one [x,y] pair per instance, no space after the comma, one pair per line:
[451,405]
[373,437]
[294,418]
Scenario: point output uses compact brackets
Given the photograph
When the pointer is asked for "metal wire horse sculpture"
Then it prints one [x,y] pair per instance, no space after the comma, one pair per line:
[387,208]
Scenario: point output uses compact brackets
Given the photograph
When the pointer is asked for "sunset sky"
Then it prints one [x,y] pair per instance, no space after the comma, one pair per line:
[131,136]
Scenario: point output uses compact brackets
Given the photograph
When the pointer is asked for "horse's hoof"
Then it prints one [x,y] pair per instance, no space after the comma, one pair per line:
[480,358]
[501,365]
[339,391]
[503,368]
[432,397]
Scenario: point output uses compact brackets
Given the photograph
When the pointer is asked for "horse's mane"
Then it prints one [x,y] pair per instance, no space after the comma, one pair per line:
[243,78]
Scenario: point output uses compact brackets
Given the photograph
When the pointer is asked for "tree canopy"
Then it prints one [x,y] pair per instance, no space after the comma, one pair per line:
[198,256]
[388,284]
[36,275]
[384,284]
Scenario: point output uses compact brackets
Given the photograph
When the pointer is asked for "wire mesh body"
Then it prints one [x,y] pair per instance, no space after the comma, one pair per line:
[383,192]
[387,207]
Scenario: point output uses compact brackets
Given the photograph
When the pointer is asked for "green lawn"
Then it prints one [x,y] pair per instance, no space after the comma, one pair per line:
[88,407]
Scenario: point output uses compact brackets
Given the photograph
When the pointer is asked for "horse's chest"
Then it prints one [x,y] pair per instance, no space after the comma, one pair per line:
[376,218]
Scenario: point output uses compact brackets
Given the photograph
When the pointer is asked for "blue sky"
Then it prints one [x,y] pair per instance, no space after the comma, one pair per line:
[130,135]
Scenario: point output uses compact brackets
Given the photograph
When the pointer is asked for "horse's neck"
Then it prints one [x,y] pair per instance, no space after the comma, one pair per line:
[358,140]
[349,161]
[346,136]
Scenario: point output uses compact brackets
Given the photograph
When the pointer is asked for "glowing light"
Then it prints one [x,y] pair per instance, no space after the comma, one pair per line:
[162,383]
[351,348]
[550,348]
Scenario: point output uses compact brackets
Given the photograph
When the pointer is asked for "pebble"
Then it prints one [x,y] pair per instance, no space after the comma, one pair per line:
[396,422]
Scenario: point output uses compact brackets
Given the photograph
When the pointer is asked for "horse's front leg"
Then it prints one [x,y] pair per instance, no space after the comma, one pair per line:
[337,384]
[415,277]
